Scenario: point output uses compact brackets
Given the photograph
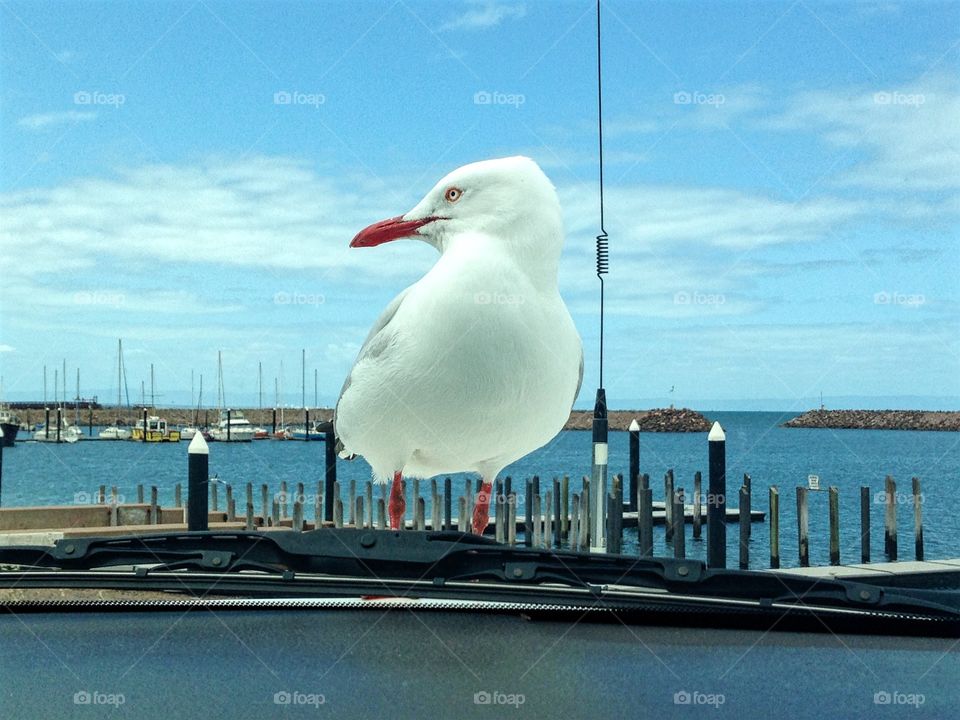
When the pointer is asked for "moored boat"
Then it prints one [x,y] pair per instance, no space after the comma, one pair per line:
[232,427]
[157,430]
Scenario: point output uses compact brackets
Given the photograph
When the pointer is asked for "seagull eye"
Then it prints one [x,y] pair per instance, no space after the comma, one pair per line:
[452,194]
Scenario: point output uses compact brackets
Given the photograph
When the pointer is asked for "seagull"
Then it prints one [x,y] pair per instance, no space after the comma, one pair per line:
[478,363]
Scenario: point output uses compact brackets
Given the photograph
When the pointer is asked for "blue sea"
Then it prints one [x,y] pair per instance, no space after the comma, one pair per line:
[47,474]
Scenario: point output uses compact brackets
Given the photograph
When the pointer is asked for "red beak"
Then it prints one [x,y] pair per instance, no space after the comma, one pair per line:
[387,230]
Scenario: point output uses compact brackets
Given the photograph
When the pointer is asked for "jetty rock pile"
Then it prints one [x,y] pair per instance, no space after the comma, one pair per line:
[655,420]
[877,420]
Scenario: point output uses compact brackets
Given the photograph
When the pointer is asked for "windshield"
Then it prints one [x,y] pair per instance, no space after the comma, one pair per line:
[671,282]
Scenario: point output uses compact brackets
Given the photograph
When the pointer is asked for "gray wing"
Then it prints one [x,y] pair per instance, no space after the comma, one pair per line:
[579,381]
[377,340]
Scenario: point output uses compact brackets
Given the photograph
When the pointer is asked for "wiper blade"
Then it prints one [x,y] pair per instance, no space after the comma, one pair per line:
[448,559]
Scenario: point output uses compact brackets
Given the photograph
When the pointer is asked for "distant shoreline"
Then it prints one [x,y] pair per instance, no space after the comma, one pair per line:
[932,420]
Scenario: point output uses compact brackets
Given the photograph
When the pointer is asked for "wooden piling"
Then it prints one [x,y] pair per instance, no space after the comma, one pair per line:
[833,499]
[537,521]
[177,496]
[368,504]
[747,483]
[890,519]
[528,515]
[586,510]
[318,511]
[358,511]
[447,504]
[249,522]
[265,501]
[645,522]
[381,514]
[275,513]
[297,519]
[573,533]
[284,500]
[744,536]
[668,504]
[499,519]
[557,514]
[565,507]
[511,533]
[613,542]
[774,527]
[231,510]
[214,499]
[679,531]
[864,524]
[436,523]
[917,518]
[461,513]
[549,521]
[249,493]
[102,494]
[229,494]
[697,499]
[140,493]
[803,527]
[337,512]
[154,506]
[351,503]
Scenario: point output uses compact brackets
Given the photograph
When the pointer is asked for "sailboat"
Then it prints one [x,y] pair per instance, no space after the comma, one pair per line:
[9,422]
[114,431]
[61,431]
[232,425]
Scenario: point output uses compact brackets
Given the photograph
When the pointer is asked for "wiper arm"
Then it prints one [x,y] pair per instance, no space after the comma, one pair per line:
[442,558]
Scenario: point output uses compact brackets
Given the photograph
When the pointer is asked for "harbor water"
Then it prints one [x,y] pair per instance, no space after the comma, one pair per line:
[49,474]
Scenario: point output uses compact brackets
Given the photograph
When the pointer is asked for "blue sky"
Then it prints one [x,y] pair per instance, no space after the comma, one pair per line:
[782,187]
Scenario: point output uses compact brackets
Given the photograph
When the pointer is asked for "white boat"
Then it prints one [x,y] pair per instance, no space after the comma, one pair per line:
[238,429]
[68,433]
[187,433]
[114,432]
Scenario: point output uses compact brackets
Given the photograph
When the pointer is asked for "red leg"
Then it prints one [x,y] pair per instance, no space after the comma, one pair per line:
[398,503]
[481,508]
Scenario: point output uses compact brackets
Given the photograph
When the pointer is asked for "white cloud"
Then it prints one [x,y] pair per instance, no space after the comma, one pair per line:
[908,132]
[6,348]
[42,121]
[484,14]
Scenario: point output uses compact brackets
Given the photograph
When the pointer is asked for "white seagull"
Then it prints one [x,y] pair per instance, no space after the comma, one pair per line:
[478,363]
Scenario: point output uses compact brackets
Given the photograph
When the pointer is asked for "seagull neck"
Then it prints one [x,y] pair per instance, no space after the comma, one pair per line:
[538,265]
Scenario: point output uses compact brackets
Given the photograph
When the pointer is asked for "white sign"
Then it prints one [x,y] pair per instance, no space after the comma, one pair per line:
[813,482]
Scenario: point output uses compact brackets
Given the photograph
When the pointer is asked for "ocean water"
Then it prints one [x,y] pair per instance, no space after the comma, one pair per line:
[42,474]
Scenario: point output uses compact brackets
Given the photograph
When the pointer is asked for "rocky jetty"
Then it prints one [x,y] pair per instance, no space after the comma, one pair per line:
[877,420]
[656,420]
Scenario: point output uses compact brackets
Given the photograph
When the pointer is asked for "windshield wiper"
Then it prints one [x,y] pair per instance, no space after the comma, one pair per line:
[447,563]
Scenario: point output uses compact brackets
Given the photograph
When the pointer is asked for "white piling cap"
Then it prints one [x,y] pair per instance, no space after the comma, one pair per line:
[634,425]
[716,433]
[1,432]
[198,446]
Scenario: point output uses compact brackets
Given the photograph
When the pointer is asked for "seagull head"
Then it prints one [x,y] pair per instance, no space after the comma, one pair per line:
[509,201]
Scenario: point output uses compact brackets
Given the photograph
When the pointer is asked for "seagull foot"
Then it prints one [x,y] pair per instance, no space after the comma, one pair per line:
[397,506]
[481,509]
